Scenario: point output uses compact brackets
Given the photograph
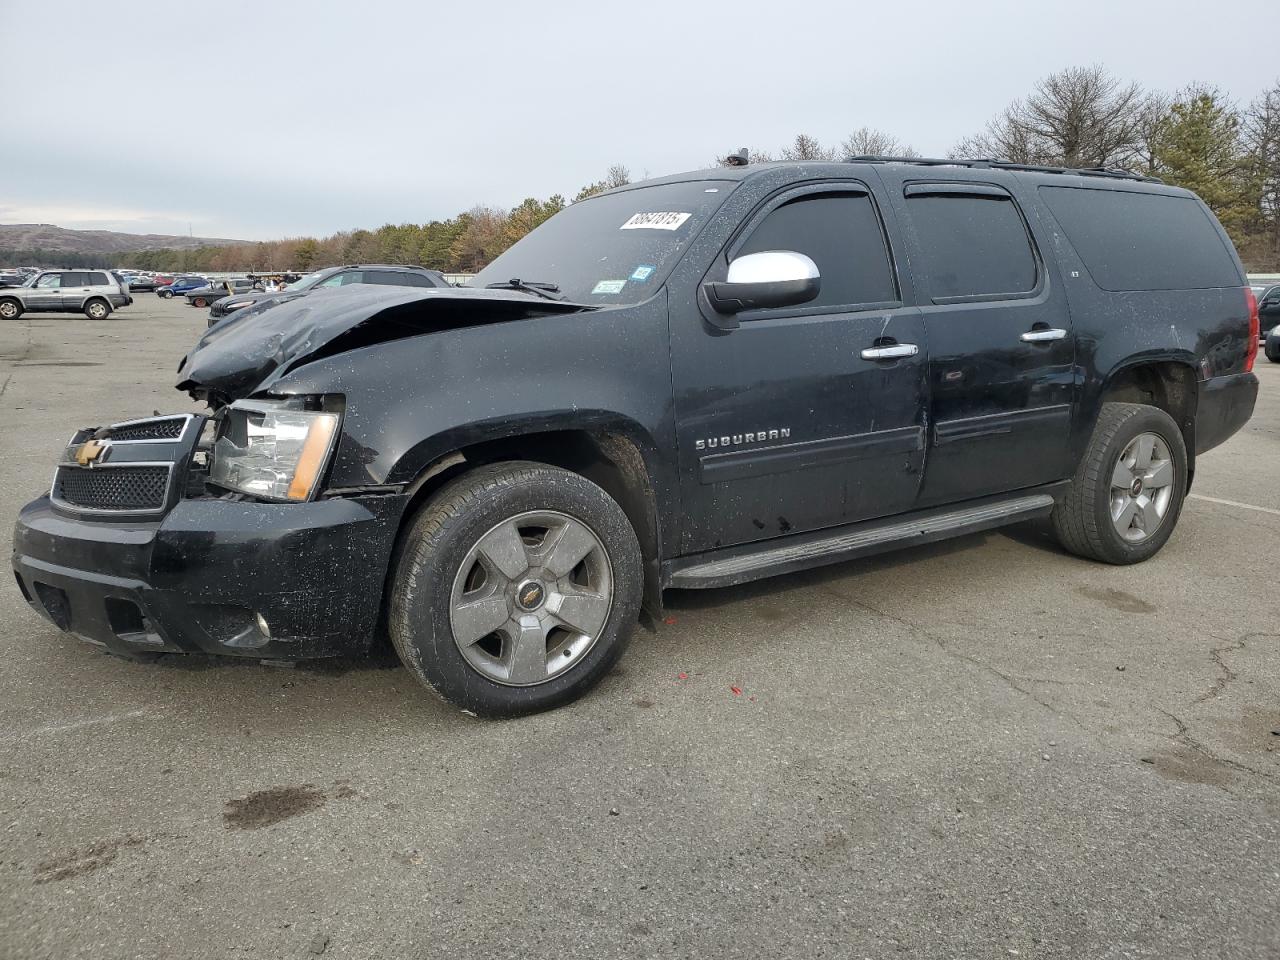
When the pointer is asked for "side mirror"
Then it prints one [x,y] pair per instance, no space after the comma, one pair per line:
[771,278]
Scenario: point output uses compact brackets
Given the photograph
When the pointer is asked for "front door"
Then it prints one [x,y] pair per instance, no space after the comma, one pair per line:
[46,294]
[1001,352]
[787,423]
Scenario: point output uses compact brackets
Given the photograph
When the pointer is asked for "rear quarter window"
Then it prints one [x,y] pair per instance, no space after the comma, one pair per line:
[1143,241]
[98,280]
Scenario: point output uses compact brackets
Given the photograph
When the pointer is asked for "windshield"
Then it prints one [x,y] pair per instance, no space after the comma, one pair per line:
[306,283]
[612,249]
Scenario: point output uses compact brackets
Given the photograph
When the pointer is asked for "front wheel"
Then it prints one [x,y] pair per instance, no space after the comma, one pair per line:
[1127,494]
[10,309]
[1273,353]
[97,310]
[515,589]
[164,294]
[199,302]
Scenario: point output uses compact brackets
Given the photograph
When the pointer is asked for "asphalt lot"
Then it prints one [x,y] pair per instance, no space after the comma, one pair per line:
[980,749]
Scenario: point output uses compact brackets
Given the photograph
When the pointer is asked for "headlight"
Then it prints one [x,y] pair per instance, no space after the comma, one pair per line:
[236,304]
[273,449]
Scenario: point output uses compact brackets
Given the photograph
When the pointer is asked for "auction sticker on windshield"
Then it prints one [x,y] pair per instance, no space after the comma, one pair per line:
[656,221]
[609,286]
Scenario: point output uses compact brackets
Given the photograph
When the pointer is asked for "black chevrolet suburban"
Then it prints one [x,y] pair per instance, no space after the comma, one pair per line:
[689,382]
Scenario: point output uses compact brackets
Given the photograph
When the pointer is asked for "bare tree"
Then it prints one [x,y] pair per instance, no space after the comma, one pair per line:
[805,147]
[869,142]
[1078,117]
[1261,138]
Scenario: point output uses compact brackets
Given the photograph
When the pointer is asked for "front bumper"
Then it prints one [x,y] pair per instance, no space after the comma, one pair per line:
[1225,405]
[198,579]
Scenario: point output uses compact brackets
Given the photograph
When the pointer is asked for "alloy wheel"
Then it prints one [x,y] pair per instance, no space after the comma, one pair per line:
[1142,487]
[531,598]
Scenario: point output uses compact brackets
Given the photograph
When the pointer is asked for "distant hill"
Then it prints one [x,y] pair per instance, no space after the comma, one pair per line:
[47,237]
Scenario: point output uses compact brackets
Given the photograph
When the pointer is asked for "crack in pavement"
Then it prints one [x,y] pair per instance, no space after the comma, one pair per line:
[1228,675]
[1184,737]
[938,641]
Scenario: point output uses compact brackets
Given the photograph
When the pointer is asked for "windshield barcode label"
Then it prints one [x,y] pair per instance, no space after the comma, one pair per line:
[655,221]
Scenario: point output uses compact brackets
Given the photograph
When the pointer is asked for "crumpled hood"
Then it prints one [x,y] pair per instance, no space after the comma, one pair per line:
[243,355]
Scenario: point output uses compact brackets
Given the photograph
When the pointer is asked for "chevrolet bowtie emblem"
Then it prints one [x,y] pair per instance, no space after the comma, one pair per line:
[89,451]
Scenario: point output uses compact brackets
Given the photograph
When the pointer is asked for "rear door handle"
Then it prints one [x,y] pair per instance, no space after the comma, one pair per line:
[1043,336]
[890,351]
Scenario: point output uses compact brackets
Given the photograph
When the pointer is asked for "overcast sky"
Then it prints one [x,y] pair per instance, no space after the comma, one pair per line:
[269,119]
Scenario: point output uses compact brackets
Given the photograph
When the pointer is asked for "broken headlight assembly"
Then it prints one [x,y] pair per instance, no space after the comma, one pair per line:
[273,449]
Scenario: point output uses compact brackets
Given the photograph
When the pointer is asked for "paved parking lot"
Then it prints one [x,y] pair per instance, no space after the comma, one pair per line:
[980,749]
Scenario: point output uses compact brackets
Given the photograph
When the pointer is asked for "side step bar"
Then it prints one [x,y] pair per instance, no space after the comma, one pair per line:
[726,568]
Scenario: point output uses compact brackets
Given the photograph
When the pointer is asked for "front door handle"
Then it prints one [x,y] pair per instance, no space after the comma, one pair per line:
[890,351]
[1043,336]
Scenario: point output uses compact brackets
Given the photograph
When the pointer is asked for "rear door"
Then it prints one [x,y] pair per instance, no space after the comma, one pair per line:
[75,289]
[99,285]
[786,423]
[1001,350]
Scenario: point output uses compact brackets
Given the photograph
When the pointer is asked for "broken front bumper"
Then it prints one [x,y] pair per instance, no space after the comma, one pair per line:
[273,581]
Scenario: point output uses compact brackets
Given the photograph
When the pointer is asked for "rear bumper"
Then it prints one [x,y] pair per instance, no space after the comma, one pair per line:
[1225,405]
[199,579]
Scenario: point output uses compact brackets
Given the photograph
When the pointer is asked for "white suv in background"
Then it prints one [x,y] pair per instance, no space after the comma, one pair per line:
[95,293]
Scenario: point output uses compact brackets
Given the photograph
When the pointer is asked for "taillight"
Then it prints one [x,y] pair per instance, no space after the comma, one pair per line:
[1251,352]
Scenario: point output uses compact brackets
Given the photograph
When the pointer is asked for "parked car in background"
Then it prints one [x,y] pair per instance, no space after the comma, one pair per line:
[140,282]
[180,286]
[12,279]
[218,289]
[163,279]
[1268,308]
[386,274]
[95,293]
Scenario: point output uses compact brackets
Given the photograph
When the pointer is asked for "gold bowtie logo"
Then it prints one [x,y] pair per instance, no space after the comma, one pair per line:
[89,451]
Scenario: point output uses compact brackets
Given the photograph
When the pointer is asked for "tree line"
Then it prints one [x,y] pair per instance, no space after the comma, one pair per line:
[1198,137]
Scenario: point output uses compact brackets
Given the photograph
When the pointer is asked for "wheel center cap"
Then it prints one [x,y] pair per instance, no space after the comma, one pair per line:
[1137,486]
[530,595]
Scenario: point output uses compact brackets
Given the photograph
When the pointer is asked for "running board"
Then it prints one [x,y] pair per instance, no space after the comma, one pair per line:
[863,539]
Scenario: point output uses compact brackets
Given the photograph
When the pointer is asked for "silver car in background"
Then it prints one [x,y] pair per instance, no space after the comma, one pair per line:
[95,293]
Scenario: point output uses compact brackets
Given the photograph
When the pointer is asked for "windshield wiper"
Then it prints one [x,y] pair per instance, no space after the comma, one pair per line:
[546,290]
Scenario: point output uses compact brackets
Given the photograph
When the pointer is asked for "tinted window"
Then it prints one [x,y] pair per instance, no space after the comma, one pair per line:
[973,246]
[841,234]
[75,280]
[1143,241]
[97,280]
[397,278]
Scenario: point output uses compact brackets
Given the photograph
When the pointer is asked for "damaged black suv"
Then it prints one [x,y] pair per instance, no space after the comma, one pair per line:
[689,382]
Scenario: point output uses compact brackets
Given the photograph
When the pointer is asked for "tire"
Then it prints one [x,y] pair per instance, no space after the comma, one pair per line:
[1102,520]
[97,309]
[199,302]
[1273,353]
[444,558]
[10,309]
[164,294]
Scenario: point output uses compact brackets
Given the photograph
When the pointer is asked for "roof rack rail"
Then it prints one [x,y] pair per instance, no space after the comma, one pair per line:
[984,163]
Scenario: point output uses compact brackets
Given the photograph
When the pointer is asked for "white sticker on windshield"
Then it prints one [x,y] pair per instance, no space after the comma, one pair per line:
[609,286]
[655,221]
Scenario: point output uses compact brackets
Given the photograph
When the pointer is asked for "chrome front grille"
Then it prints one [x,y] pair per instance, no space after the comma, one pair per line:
[126,470]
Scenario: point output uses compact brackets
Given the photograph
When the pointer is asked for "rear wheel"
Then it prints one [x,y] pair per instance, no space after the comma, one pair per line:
[10,309]
[515,589]
[1272,352]
[1127,493]
[97,310]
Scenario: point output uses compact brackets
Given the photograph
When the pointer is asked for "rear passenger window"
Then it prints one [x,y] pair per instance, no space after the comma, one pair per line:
[1143,241]
[74,280]
[394,278]
[841,233]
[973,245]
[97,280]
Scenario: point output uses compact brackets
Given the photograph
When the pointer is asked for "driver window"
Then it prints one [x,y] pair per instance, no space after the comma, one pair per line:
[841,233]
[50,281]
